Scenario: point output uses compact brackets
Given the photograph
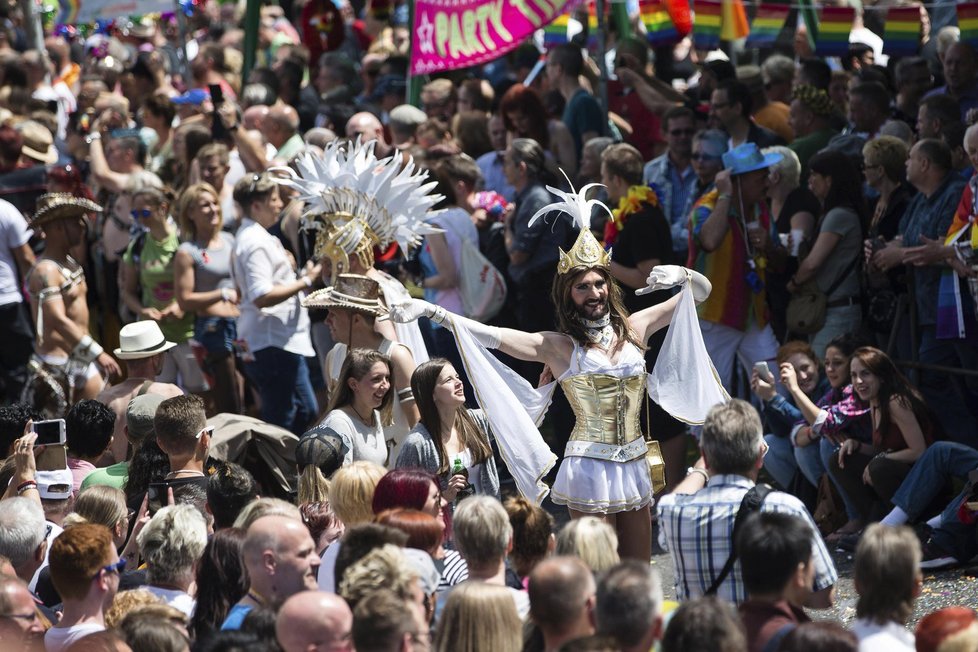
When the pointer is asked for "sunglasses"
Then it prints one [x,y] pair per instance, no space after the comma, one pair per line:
[140,214]
[118,567]
[209,430]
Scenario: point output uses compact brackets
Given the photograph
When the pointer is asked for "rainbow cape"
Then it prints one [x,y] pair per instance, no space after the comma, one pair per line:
[834,26]
[767,25]
[902,34]
[659,28]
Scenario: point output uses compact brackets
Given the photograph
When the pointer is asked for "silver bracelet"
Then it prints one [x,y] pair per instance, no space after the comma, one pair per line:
[693,469]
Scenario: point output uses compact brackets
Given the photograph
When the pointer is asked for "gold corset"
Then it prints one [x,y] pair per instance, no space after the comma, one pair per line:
[607,407]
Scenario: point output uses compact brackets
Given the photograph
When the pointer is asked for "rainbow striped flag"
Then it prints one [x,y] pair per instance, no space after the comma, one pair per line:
[67,12]
[706,24]
[592,24]
[834,26]
[968,22]
[659,28]
[902,35]
[767,25]
[556,32]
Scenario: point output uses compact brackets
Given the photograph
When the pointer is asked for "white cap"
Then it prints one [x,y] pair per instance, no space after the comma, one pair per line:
[54,485]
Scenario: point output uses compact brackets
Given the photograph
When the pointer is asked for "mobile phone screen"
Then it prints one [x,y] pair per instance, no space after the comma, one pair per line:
[49,432]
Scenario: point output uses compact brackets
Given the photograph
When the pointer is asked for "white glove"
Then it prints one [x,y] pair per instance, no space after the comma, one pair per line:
[663,277]
[410,311]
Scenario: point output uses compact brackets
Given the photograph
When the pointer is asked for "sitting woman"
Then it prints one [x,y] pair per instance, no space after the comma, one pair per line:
[449,437]
[780,413]
[903,428]
[826,423]
[361,405]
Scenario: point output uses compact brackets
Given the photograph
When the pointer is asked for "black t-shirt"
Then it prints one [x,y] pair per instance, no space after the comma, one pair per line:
[644,236]
[799,200]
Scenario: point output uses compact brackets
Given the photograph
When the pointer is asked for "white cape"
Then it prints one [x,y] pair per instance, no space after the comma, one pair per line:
[684,382]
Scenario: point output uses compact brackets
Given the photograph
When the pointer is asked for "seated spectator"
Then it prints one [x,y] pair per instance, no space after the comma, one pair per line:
[312,619]
[88,435]
[562,598]
[533,534]
[385,622]
[137,429]
[171,545]
[591,539]
[888,580]
[85,570]
[903,427]
[221,581]
[947,630]
[775,552]
[696,527]
[704,624]
[281,560]
[781,413]
[479,616]
[629,606]
[484,537]
[229,488]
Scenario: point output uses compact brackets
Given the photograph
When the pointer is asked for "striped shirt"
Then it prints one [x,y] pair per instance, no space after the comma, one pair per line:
[697,530]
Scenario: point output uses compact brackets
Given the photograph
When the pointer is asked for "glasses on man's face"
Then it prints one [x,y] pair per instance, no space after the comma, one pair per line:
[27,618]
[141,214]
[118,567]
[764,448]
[209,430]
[681,132]
[704,158]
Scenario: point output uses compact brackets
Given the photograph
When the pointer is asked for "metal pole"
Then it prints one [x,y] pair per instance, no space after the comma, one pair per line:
[184,57]
[252,18]
[602,61]
[33,30]
[414,83]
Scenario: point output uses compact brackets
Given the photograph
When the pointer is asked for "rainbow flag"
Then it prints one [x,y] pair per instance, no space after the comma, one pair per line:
[834,26]
[706,24]
[734,24]
[592,25]
[968,22]
[767,25]
[68,12]
[902,35]
[556,32]
[659,28]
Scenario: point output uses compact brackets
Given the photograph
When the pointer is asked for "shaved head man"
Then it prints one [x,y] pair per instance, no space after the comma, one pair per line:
[368,127]
[314,620]
[281,560]
[561,593]
[281,129]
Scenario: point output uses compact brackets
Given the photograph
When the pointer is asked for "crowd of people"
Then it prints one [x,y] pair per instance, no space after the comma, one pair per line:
[287,363]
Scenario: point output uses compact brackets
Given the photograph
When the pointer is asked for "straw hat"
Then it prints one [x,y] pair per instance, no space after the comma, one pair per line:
[61,205]
[38,142]
[141,339]
[352,292]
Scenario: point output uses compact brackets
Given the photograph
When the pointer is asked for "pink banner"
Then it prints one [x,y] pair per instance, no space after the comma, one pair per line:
[450,34]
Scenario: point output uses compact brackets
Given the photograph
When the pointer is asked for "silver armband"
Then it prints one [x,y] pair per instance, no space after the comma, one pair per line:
[87,350]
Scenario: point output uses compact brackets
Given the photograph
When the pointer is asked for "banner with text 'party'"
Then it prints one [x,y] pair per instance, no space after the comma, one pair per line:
[451,34]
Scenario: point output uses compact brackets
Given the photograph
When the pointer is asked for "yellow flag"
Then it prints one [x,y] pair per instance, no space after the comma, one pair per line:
[734,20]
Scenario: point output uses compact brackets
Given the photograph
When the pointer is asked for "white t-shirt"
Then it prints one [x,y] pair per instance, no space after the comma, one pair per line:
[362,442]
[174,598]
[891,637]
[13,233]
[57,639]
[327,567]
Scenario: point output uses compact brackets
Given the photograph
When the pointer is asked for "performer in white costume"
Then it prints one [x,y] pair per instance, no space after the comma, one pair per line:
[609,466]
[355,202]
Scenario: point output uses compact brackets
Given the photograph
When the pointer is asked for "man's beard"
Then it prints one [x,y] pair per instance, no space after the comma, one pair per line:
[593,309]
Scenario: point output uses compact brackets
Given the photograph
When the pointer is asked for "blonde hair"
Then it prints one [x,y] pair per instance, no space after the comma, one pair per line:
[479,616]
[887,573]
[99,504]
[591,539]
[351,491]
[172,542]
[385,567]
[789,167]
[126,601]
[313,486]
[188,201]
[265,507]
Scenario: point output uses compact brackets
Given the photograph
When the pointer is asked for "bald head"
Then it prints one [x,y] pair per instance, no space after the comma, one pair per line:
[366,125]
[960,67]
[280,556]
[311,619]
[280,124]
[254,117]
[561,590]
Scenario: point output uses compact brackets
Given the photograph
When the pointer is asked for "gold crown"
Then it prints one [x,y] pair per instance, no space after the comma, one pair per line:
[337,241]
[586,252]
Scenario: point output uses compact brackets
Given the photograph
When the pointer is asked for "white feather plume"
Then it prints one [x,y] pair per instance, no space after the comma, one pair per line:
[574,203]
[389,195]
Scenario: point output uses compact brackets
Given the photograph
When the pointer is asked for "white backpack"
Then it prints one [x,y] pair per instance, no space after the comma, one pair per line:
[481,285]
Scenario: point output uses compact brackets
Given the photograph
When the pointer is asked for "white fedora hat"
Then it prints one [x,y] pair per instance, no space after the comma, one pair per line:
[141,339]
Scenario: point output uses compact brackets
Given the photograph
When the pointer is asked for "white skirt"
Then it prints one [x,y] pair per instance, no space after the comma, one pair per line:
[595,486]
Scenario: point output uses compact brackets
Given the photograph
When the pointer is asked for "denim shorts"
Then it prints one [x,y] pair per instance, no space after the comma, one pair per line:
[216,334]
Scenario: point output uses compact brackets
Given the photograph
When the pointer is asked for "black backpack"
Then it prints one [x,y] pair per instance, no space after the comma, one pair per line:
[751,503]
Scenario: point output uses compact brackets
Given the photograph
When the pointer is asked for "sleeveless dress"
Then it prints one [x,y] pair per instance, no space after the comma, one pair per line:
[606,476]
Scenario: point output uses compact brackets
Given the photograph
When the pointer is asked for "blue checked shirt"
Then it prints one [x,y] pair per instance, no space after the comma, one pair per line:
[697,531]
[676,189]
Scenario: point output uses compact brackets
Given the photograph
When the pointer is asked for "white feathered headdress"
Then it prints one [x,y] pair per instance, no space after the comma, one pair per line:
[355,200]
[587,251]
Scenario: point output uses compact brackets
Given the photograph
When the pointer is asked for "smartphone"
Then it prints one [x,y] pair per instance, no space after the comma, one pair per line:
[764,371]
[50,432]
[218,132]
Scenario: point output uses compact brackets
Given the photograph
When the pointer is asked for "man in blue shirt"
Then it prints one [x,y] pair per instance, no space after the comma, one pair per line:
[582,113]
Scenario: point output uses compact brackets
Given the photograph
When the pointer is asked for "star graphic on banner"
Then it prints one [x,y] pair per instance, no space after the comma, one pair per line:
[426,30]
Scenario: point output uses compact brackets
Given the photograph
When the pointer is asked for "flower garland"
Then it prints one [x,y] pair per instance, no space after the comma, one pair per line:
[627,205]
